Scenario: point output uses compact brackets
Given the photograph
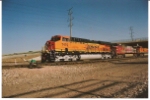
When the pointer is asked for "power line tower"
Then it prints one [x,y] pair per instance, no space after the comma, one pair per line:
[70,20]
[131,34]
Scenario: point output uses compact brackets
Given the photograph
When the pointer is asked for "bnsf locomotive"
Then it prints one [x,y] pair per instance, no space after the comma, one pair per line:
[64,48]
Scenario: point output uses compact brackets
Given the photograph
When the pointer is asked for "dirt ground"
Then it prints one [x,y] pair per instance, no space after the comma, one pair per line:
[117,79]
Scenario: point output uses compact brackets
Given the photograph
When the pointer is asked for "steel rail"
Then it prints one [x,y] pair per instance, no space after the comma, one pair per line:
[39,64]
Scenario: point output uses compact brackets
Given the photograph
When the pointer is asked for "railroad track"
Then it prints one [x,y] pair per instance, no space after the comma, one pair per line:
[26,65]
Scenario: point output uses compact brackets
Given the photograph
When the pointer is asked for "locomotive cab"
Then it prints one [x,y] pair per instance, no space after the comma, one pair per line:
[50,45]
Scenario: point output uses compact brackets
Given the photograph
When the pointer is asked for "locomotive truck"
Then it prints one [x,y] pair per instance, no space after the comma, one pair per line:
[64,48]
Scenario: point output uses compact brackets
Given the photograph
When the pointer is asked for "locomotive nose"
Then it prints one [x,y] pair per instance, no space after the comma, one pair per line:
[52,45]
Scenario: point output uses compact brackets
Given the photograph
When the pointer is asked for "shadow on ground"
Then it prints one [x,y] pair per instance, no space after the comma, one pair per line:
[96,86]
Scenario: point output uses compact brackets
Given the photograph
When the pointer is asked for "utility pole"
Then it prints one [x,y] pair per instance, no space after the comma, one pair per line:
[70,19]
[131,34]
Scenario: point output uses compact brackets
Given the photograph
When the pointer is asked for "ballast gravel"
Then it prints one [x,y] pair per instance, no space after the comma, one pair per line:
[116,79]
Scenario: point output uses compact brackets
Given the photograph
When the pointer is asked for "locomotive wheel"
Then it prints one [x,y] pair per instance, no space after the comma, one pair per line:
[142,55]
[124,56]
[135,55]
[49,60]
[43,60]
[79,57]
[70,60]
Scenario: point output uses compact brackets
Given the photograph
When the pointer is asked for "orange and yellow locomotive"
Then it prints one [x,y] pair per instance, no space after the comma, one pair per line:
[64,48]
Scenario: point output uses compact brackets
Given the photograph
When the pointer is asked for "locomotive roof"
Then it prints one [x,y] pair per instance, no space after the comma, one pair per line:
[86,40]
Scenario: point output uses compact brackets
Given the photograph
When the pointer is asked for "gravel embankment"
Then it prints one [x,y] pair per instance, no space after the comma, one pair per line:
[118,79]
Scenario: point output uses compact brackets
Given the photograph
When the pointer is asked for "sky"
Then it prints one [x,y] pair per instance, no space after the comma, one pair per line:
[28,24]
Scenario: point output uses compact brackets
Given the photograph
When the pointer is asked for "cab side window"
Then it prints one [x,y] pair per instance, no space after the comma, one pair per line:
[65,39]
[56,38]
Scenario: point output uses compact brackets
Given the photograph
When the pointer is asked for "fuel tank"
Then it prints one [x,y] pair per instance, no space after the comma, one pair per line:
[95,56]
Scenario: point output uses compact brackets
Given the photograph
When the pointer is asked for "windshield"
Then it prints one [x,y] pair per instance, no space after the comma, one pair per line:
[55,38]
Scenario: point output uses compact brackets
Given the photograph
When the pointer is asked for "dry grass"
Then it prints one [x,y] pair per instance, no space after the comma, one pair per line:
[19,59]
